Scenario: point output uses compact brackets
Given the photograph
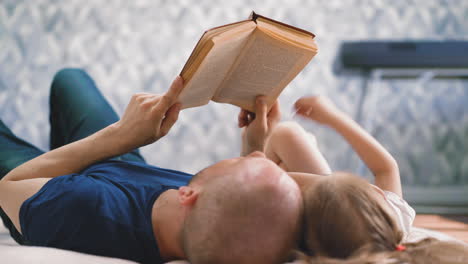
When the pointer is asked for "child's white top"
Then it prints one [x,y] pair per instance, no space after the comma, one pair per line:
[404,213]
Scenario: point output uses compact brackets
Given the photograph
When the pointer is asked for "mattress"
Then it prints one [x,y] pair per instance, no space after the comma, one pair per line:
[12,253]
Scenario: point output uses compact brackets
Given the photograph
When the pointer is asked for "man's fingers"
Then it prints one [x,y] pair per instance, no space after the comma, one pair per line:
[243,118]
[275,109]
[260,105]
[170,97]
[275,112]
[176,88]
[151,100]
[250,117]
[261,110]
[169,120]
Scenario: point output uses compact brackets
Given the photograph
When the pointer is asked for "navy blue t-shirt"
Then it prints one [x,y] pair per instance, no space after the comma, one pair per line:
[104,210]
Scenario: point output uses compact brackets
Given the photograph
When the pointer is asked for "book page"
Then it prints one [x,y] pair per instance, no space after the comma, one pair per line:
[206,37]
[266,66]
[287,30]
[203,85]
[282,32]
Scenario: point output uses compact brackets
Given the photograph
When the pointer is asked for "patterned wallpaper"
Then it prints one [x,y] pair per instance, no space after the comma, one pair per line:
[140,45]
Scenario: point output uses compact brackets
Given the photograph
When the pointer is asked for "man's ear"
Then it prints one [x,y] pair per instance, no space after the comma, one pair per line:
[187,195]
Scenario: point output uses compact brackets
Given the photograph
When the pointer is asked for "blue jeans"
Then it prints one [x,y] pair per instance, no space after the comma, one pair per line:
[77,110]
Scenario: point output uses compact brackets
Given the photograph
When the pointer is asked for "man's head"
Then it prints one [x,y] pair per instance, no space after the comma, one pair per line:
[243,210]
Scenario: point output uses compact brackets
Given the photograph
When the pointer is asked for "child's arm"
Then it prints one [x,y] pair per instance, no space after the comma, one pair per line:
[380,162]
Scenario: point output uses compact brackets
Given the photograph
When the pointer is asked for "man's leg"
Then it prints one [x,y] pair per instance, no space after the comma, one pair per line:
[78,109]
[13,152]
[295,150]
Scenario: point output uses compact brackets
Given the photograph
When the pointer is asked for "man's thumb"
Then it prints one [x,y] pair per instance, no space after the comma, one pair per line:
[261,110]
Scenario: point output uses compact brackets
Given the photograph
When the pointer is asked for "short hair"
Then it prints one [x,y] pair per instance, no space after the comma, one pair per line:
[233,222]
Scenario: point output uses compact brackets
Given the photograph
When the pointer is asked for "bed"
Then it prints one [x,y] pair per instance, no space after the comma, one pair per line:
[12,253]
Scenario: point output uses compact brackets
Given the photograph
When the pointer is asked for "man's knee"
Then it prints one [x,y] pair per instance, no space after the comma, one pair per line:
[63,78]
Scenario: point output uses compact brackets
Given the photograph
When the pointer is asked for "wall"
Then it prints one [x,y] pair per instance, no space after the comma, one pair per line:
[134,46]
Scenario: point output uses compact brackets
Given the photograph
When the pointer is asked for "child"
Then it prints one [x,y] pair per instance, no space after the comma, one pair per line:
[345,216]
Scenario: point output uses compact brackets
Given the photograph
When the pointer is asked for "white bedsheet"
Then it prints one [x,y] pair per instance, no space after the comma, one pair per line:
[12,253]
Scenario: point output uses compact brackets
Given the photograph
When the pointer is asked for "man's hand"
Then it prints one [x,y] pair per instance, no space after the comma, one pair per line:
[257,126]
[149,117]
[318,108]
[146,119]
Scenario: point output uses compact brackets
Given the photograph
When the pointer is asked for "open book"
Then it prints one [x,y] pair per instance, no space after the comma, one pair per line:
[236,62]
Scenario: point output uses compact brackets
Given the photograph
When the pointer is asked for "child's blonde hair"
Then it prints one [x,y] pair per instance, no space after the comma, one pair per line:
[347,222]
[344,215]
[426,251]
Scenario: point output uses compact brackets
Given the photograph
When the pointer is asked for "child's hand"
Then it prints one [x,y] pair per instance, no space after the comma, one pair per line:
[317,108]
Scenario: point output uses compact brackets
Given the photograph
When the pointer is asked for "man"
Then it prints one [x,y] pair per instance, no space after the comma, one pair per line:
[94,193]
